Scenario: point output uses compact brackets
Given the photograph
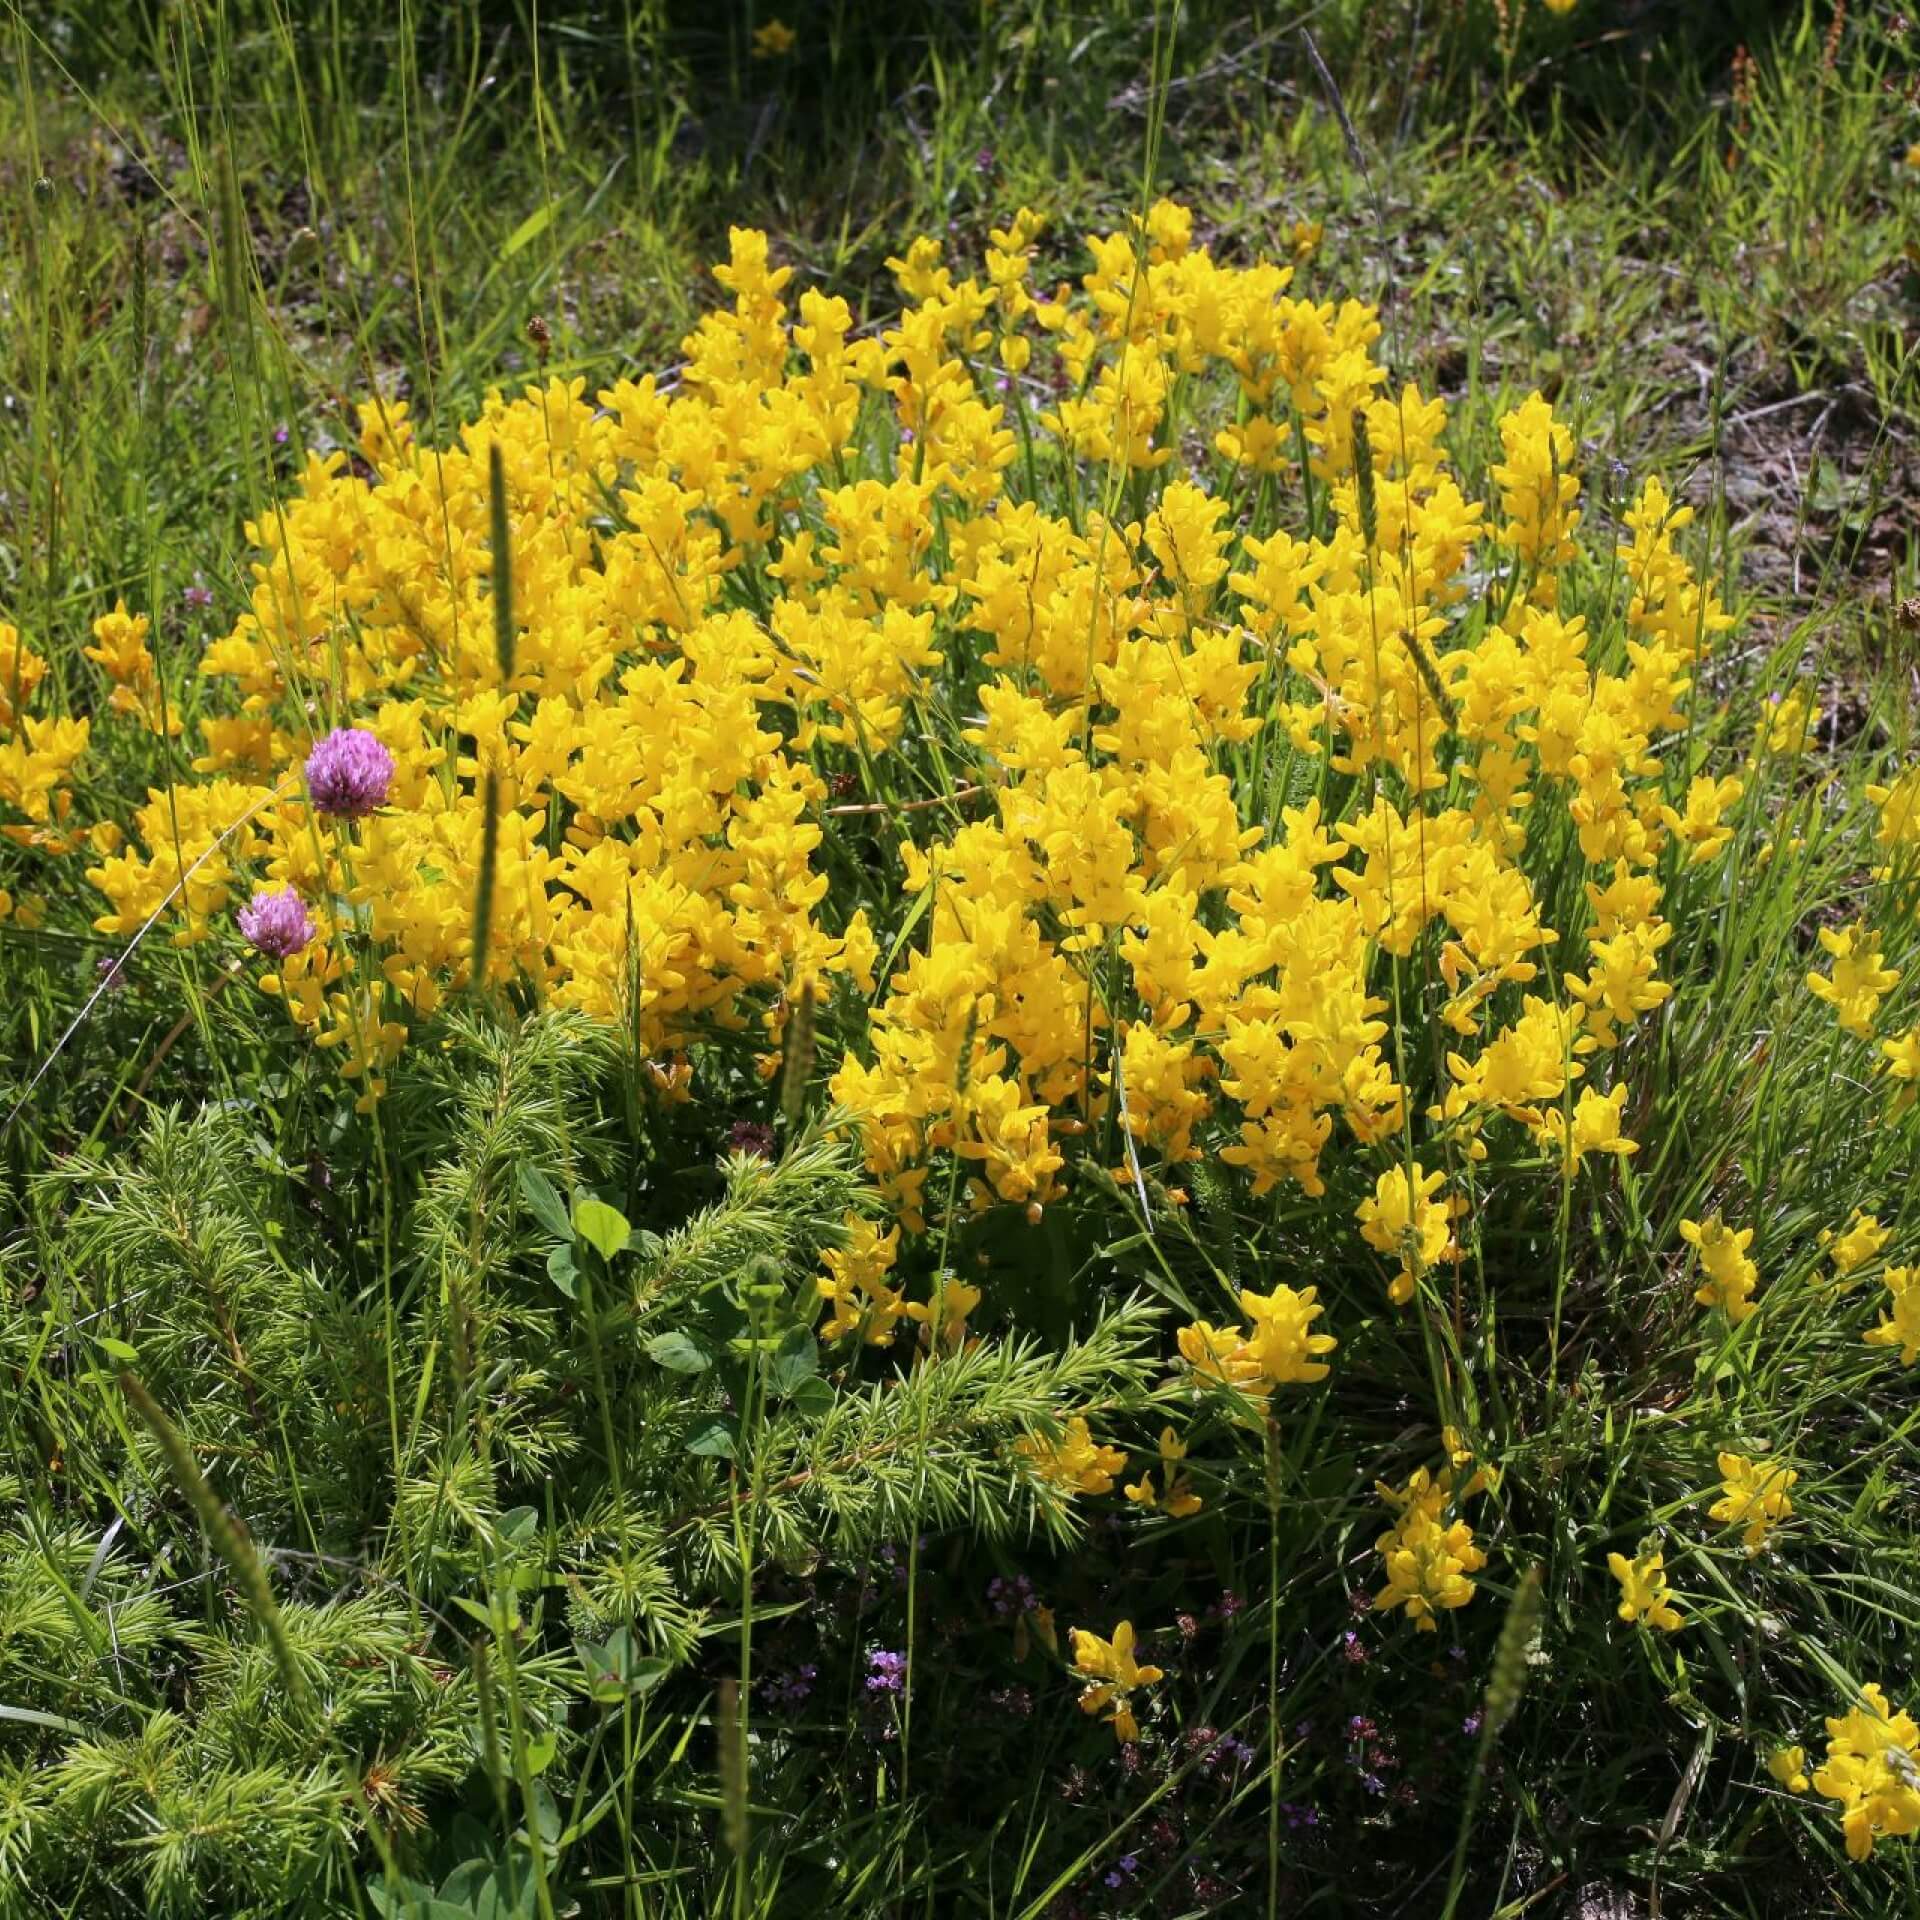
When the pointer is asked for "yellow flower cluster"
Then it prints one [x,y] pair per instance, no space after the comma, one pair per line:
[120,651]
[1074,1463]
[1429,1551]
[38,752]
[1859,981]
[1901,1328]
[1871,1768]
[731,593]
[1177,1497]
[1644,1597]
[1730,1276]
[1113,1676]
[1754,1496]
[1276,1347]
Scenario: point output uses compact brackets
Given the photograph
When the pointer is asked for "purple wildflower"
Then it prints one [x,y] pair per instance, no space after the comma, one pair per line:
[276,923]
[197,596]
[281,435]
[751,1136]
[348,773]
[886,1672]
[790,1689]
[1008,1597]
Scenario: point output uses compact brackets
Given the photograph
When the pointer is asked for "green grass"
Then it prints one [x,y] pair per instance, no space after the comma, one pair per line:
[405,1565]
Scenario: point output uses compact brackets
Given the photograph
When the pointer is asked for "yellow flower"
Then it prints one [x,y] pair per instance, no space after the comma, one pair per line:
[1863,1238]
[1700,825]
[1859,981]
[1788,1765]
[1643,1591]
[1114,1675]
[1428,1556]
[855,1286]
[1180,1499]
[1279,1341]
[1902,1066]
[1730,1275]
[773,40]
[1753,1496]
[1277,1348]
[1793,723]
[1403,1218]
[21,671]
[1902,1328]
[1870,1769]
[1074,1463]
[1596,1126]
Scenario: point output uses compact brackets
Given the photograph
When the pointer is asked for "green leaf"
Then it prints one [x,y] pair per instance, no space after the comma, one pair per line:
[814,1398]
[464,1884]
[33,1717]
[395,1898]
[116,1349]
[519,1525]
[543,1201]
[714,1441]
[529,229]
[679,1353]
[602,1227]
[618,1668]
[796,1362]
[562,1272]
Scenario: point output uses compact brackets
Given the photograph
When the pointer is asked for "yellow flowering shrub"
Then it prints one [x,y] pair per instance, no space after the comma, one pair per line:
[736,596]
[1106,710]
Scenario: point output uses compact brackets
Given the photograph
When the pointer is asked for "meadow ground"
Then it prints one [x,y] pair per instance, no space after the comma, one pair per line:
[959,959]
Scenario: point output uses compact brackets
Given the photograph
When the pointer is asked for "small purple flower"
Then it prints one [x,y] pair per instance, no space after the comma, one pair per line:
[197,596]
[276,923]
[281,435]
[348,773]
[751,1136]
[983,160]
[1470,1725]
[886,1672]
[790,1689]
[1009,1597]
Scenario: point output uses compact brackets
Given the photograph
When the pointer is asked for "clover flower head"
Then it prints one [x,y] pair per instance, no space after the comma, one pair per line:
[349,772]
[276,923]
